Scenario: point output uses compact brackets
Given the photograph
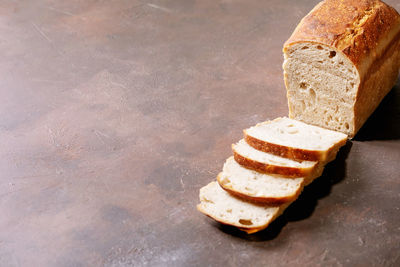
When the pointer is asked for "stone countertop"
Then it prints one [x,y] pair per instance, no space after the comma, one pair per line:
[113,114]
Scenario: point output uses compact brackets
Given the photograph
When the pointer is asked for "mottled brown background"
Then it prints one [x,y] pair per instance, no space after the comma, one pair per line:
[114,113]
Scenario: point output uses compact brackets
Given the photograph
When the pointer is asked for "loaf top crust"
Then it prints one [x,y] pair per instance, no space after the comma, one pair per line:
[361,29]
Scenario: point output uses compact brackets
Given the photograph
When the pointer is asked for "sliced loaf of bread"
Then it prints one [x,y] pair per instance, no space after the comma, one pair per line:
[269,169]
[295,140]
[227,209]
[258,187]
[263,162]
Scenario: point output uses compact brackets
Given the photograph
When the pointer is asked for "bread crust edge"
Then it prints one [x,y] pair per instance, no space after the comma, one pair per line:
[248,230]
[284,151]
[291,172]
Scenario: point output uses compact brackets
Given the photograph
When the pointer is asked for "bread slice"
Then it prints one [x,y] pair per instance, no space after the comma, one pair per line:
[296,140]
[258,187]
[262,188]
[263,162]
[227,209]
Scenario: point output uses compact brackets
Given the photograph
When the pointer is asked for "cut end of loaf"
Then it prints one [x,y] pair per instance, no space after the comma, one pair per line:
[321,86]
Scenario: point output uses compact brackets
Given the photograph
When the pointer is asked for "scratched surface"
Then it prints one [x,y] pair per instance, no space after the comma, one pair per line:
[114,113]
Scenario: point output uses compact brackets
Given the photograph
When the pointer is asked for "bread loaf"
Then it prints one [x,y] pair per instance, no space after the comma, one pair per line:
[252,199]
[340,62]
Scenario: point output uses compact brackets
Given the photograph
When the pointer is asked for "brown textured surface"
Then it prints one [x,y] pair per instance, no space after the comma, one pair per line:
[114,113]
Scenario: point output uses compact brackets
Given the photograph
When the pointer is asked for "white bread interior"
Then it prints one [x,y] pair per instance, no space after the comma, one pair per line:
[258,186]
[227,209]
[322,85]
[289,134]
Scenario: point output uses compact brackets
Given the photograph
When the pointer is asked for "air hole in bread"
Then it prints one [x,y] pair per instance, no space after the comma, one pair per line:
[352,84]
[229,210]
[341,63]
[302,105]
[245,222]
[277,163]
[304,47]
[320,61]
[319,47]
[292,131]
[312,94]
[350,30]
[208,201]
[290,125]
[346,125]
[332,54]
[225,181]
[303,85]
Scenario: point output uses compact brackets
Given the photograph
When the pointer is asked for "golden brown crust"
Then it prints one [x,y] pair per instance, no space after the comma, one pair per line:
[272,169]
[252,230]
[294,153]
[284,151]
[361,29]
[380,79]
[260,200]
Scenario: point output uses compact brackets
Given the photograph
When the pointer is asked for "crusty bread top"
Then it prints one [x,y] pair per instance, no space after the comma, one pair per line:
[361,29]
